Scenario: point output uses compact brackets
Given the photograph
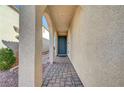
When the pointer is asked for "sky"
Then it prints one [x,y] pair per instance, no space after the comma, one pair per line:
[44,22]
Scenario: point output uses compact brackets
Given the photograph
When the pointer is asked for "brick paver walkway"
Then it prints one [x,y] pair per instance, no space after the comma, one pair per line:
[61,74]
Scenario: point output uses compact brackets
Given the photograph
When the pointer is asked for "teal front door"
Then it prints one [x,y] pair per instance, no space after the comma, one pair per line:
[62,45]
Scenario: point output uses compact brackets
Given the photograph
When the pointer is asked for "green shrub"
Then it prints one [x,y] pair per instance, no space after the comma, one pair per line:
[7,58]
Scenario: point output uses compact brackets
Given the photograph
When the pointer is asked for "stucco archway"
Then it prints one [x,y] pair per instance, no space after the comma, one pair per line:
[51,36]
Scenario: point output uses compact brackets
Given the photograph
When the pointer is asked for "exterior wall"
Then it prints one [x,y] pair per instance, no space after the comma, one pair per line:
[45,40]
[98,45]
[8,19]
[55,43]
[45,47]
[69,44]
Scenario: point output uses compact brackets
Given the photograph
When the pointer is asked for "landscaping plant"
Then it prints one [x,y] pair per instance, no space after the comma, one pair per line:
[7,58]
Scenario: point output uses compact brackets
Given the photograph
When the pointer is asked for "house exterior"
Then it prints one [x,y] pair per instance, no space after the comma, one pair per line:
[94,42]
[9,19]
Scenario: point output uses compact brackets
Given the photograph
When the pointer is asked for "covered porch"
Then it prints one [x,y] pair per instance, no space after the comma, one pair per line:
[59,71]
[95,44]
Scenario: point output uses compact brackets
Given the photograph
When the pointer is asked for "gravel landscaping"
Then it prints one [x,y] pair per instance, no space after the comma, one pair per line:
[9,78]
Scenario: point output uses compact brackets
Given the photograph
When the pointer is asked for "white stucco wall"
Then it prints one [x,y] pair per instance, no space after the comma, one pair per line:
[45,35]
[8,19]
[97,50]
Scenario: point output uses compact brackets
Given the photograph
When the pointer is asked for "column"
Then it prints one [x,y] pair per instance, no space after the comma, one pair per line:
[30,42]
[56,44]
[51,44]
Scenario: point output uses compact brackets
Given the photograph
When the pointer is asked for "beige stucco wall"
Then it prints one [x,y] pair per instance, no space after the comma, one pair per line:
[97,51]
[8,19]
[69,44]
[55,43]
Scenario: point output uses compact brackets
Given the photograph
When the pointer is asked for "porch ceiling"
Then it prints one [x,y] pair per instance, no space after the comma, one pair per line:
[62,16]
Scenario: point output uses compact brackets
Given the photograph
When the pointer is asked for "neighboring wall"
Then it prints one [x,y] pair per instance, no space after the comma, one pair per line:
[45,35]
[97,50]
[45,47]
[8,19]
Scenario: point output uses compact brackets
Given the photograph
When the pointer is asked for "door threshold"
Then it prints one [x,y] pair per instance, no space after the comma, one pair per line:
[62,55]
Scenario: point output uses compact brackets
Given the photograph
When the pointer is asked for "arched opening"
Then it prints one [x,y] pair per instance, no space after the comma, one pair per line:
[46,28]
[45,44]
